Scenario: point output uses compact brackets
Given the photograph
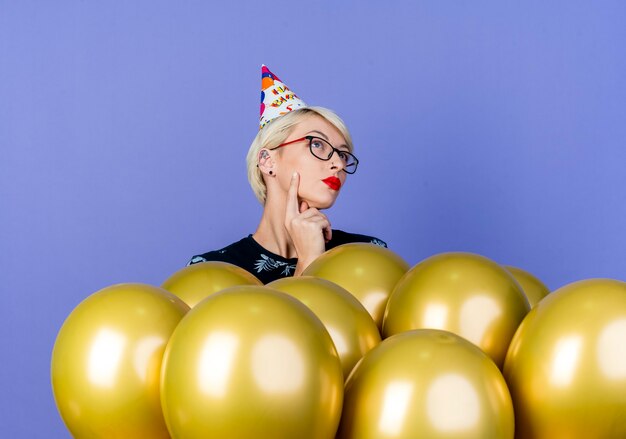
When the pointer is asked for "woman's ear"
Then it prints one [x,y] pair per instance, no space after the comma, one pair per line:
[266,162]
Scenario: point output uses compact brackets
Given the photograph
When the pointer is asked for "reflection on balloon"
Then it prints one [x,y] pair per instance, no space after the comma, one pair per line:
[349,324]
[448,420]
[369,272]
[106,362]
[215,362]
[533,288]
[105,356]
[251,362]
[195,282]
[566,366]
[463,293]
[426,383]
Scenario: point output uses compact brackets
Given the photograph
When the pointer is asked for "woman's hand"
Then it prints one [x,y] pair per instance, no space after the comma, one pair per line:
[308,227]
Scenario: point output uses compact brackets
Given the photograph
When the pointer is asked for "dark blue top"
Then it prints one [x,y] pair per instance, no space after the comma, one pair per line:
[267,266]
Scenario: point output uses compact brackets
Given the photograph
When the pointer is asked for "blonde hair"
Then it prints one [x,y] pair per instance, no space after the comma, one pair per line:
[276,132]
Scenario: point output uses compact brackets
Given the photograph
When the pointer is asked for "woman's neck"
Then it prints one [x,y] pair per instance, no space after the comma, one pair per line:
[271,232]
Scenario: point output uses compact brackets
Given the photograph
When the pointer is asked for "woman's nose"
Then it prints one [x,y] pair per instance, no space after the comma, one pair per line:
[335,161]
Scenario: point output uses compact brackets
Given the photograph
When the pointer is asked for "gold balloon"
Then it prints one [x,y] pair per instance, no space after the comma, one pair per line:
[251,362]
[369,272]
[566,366]
[349,324]
[106,362]
[198,281]
[464,293]
[426,383]
[533,288]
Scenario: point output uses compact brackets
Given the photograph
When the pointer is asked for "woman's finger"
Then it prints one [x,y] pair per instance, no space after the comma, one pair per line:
[328,233]
[324,224]
[310,213]
[304,206]
[292,196]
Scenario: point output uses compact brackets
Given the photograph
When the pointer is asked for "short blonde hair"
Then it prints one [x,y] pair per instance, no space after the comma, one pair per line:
[276,132]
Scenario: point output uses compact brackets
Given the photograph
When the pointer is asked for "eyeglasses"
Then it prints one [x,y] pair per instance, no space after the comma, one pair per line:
[323,150]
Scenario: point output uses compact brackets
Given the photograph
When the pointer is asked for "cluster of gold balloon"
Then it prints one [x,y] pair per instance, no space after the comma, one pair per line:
[214,354]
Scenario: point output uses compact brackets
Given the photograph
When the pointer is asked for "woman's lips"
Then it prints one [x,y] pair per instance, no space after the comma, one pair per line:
[333,182]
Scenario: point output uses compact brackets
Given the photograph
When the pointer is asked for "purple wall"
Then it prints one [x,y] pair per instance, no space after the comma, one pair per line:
[484,127]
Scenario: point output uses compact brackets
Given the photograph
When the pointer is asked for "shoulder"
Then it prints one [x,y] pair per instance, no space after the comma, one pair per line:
[231,253]
[341,237]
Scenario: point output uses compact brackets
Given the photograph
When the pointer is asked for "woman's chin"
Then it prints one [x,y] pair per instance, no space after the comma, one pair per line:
[320,204]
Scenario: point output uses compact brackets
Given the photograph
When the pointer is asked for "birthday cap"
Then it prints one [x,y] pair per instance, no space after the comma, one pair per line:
[276,98]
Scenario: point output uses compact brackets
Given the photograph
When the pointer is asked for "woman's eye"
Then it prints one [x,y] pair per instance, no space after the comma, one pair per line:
[317,144]
[343,156]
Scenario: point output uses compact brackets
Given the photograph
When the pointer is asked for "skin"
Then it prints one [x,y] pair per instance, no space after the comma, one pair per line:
[292,224]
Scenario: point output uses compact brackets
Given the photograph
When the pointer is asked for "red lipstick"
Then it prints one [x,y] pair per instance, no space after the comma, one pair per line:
[333,182]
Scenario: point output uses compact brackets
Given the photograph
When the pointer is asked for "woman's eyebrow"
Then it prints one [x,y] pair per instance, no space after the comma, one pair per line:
[320,133]
[326,138]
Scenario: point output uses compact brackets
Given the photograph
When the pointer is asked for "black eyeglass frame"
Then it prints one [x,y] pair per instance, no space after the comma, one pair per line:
[333,150]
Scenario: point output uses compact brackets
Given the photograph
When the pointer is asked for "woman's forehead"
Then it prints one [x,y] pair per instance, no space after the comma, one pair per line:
[318,126]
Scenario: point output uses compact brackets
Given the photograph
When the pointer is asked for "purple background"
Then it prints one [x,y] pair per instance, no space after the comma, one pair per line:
[491,127]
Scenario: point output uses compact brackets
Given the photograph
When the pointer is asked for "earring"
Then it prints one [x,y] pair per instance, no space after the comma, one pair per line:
[271,172]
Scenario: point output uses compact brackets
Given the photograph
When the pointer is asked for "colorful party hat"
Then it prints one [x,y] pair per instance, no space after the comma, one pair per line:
[276,98]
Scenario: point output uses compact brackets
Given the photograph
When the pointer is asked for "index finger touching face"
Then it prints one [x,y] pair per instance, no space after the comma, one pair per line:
[292,195]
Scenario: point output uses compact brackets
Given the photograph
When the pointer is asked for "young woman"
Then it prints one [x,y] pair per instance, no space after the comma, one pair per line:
[297,164]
